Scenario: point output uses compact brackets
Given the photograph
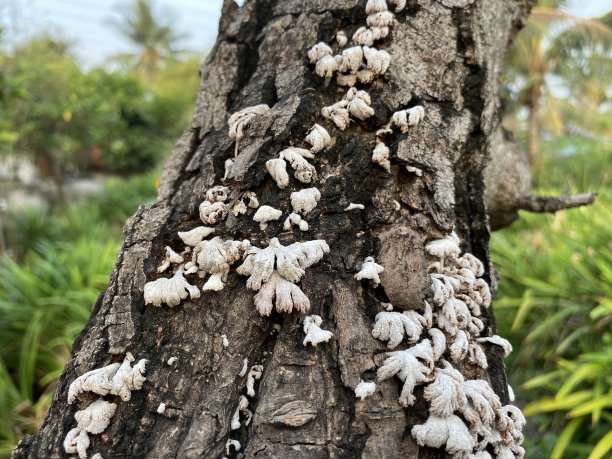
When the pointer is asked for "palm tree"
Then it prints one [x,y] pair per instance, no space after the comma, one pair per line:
[541,50]
[156,39]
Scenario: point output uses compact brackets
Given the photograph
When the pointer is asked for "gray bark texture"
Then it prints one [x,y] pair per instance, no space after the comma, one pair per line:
[447,55]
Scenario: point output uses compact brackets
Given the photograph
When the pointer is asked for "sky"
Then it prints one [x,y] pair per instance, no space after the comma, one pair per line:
[89,22]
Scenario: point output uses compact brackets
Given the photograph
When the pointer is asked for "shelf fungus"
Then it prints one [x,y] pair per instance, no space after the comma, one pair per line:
[254,374]
[326,66]
[266,214]
[346,80]
[405,119]
[393,326]
[445,394]
[353,206]
[319,139]
[359,104]
[296,157]
[98,381]
[341,38]
[247,201]
[380,156]
[196,235]
[446,247]
[315,335]
[277,168]
[295,220]
[171,257]
[366,36]
[449,432]
[240,120]
[305,200]
[215,257]
[412,366]
[370,270]
[92,420]
[170,291]
[377,60]
[498,341]
[273,272]
[319,51]
[365,389]
[338,113]
[243,407]
[212,212]
[352,59]
[375,6]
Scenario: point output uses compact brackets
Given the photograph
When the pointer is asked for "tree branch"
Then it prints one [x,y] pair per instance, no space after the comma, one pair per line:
[553,204]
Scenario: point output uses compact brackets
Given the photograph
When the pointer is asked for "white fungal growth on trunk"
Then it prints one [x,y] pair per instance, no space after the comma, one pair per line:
[482,402]
[319,51]
[393,326]
[98,381]
[232,444]
[240,120]
[217,194]
[448,246]
[338,113]
[275,270]
[353,206]
[161,409]
[380,156]
[415,170]
[128,378]
[171,360]
[352,58]
[243,405]
[412,366]
[365,389]
[196,235]
[296,157]
[228,165]
[254,374]
[366,36]
[305,200]
[498,341]
[341,38]
[375,6]
[295,219]
[370,270]
[171,257]
[377,60]
[92,420]
[438,341]
[326,66]
[266,214]
[212,212]
[405,119]
[277,168]
[346,80]
[224,341]
[314,334]
[319,138]
[380,19]
[215,257]
[450,432]
[445,394]
[245,367]
[170,291]
[359,104]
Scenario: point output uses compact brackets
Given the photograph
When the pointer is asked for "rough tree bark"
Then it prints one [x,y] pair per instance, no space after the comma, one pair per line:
[447,55]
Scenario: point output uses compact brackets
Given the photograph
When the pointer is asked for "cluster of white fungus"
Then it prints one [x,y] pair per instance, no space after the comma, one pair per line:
[356,103]
[214,209]
[215,257]
[239,121]
[370,270]
[170,291]
[115,379]
[315,335]
[466,417]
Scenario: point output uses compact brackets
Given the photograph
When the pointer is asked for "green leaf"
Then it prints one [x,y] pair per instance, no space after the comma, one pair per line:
[564,438]
[602,448]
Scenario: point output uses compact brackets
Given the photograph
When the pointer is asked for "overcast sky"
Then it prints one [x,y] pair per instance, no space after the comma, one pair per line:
[89,22]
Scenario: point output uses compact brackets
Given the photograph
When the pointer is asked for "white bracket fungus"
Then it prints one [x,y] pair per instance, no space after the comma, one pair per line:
[240,120]
[243,405]
[338,113]
[364,389]
[359,104]
[482,402]
[346,80]
[326,66]
[380,19]
[377,60]
[161,409]
[445,394]
[228,165]
[170,291]
[296,157]
[314,334]
[98,381]
[266,214]
[454,316]
[232,444]
[212,213]
[366,76]
[375,6]
[498,341]
[319,51]
[319,138]
[196,235]
[415,170]
[129,378]
[448,246]
[341,38]
[438,341]
[352,58]
[393,326]
[364,36]
[353,206]
[275,270]
[412,366]
[380,156]
[305,200]
[370,270]
[277,168]
[254,374]
[171,257]
[295,219]
[450,432]
[405,119]
[92,420]
[217,194]
[224,341]
[215,257]
[171,360]
[245,367]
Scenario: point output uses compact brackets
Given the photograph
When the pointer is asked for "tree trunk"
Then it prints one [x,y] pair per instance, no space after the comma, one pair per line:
[447,56]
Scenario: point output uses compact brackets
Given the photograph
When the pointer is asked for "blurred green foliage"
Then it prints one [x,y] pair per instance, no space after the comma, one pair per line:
[555,305]
[46,296]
